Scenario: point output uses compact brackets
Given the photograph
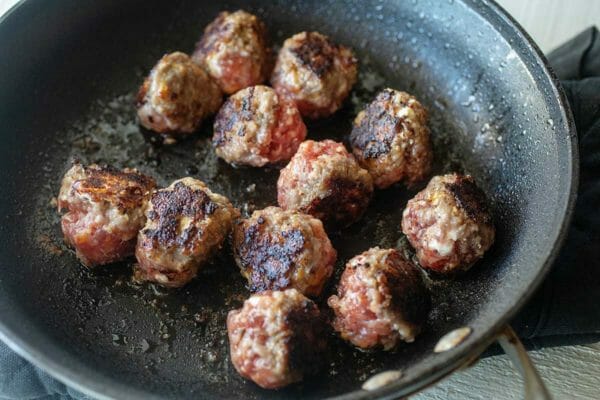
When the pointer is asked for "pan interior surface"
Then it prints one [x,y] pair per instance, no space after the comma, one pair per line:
[70,74]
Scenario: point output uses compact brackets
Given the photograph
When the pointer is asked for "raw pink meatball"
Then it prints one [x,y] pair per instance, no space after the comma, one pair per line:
[449,224]
[276,338]
[381,300]
[256,127]
[235,51]
[324,180]
[315,72]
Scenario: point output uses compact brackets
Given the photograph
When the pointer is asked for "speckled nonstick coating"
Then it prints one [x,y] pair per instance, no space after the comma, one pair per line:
[68,74]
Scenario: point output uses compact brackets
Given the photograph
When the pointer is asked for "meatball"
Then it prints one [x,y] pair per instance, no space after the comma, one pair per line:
[325,181]
[186,224]
[277,249]
[390,139]
[235,51]
[276,338]
[177,96]
[449,224]
[381,300]
[105,211]
[255,127]
[315,72]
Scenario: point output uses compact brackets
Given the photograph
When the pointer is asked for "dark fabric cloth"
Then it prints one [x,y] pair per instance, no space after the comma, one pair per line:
[578,58]
[565,309]
[20,380]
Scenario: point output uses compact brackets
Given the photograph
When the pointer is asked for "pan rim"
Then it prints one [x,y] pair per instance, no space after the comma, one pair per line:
[109,389]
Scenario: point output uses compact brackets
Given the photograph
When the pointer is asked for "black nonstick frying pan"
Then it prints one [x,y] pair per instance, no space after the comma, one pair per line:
[68,72]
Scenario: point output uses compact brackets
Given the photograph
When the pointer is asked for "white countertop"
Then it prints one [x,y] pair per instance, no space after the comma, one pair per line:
[571,372]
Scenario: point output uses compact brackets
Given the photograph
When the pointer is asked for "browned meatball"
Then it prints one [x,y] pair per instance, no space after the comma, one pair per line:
[256,126]
[381,300]
[449,224]
[277,249]
[315,72]
[276,338]
[390,139]
[324,180]
[177,96]
[105,211]
[235,51]
[186,224]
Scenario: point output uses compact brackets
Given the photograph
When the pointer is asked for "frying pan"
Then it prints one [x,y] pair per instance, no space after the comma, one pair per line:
[68,73]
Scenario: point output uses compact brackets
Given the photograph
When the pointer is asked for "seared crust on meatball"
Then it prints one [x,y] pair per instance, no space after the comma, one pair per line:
[235,51]
[391,140]
[256,126]
[315,72]
[276,338]
[449,224]
[381,300]
[187,224]
[324,180]
[277,249]
[105,211]
[177,96]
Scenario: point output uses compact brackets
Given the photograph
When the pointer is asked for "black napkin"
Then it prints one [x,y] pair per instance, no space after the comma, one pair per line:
[564,311]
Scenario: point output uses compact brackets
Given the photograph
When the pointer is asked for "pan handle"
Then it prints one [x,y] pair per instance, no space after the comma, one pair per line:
[512,346]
